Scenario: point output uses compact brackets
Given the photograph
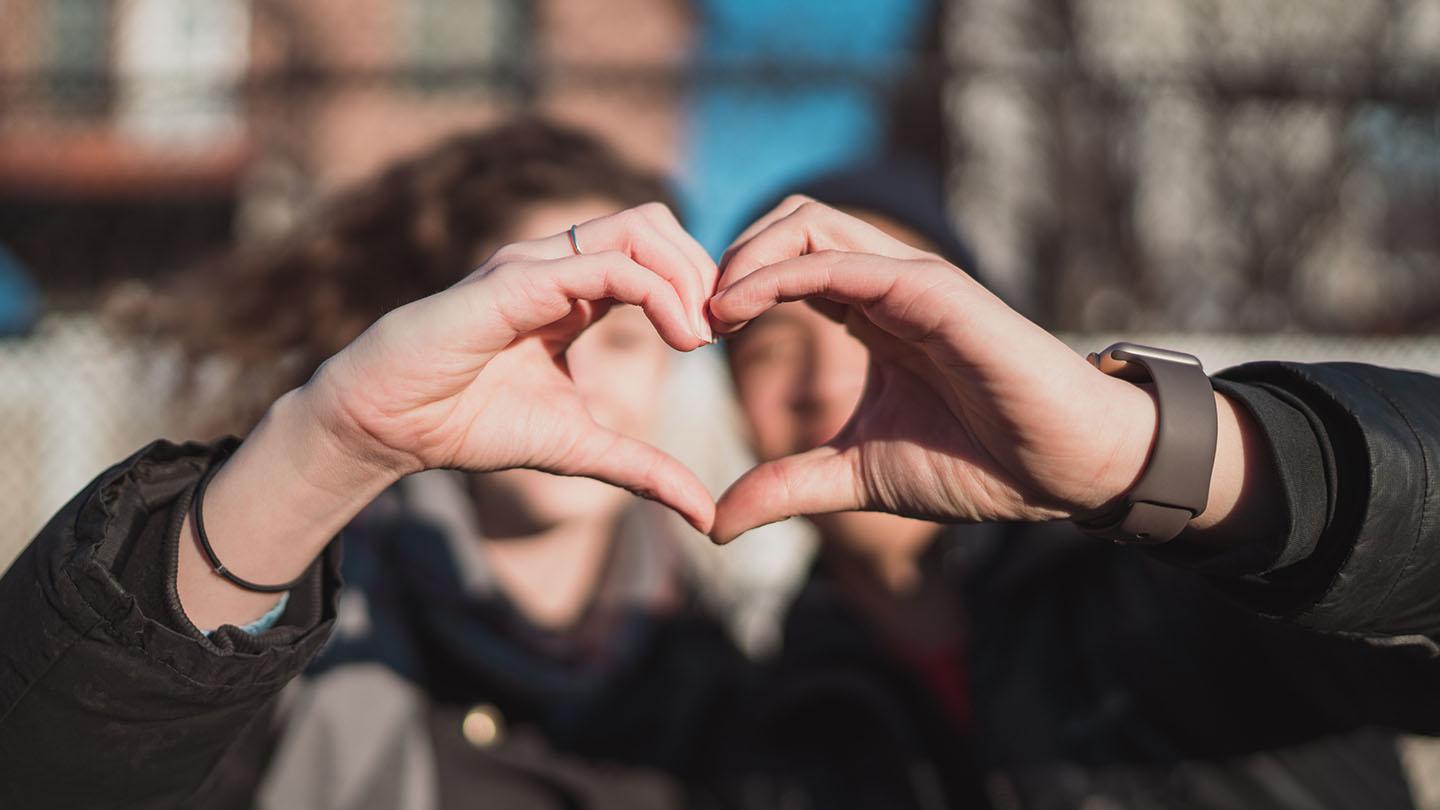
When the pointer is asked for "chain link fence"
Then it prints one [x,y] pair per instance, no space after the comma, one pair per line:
[1202,165]
[1161,165]
[1240,179]
[74,400]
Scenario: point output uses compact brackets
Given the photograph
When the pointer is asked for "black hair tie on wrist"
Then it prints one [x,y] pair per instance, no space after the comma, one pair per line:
[209,552]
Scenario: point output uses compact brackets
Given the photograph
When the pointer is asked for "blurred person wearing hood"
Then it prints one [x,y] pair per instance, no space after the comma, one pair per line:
[1026,664]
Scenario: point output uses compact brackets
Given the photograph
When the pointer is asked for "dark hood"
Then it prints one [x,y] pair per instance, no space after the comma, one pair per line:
[903,188]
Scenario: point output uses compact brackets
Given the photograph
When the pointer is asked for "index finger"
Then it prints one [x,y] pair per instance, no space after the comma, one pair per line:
[668,224]
[642,234]
[786,207]
[808,228]
[905,297]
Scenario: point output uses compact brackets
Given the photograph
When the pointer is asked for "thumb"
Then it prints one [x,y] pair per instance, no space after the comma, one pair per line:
[643,470]
[811,483]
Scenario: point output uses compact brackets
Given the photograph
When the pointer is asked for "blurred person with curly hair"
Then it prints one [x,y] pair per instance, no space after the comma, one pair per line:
[534,639]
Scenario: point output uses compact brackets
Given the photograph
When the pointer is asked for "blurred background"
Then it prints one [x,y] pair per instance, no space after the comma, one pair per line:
[1239,178]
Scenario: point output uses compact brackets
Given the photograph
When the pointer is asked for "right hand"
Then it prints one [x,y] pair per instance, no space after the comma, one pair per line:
[474,377]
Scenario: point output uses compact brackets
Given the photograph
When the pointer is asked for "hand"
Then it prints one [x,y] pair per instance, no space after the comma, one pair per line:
[474,377]
[970,411]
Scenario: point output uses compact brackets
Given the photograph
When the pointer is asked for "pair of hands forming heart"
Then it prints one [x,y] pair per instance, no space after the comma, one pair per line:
[970,411]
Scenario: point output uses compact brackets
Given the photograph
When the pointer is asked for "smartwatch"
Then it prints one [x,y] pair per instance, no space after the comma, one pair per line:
[1175,485]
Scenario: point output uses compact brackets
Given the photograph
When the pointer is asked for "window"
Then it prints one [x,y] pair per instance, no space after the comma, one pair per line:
[78,55]
[469,45]
[179,63]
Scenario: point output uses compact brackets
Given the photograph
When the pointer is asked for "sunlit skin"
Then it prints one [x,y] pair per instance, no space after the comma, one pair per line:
[549,534]
[476,377]
[950,428]
[617,364]
[970,413]
[798,376]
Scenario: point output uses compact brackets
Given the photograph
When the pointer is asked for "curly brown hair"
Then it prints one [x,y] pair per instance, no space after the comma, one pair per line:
[270,315]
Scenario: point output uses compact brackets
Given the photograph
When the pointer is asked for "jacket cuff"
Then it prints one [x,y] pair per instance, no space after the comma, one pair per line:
[1372,570]
[109,560]
[94,671]
[304,609]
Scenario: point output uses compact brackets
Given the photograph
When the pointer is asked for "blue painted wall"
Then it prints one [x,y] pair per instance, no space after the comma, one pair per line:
[747,141]
[19,300]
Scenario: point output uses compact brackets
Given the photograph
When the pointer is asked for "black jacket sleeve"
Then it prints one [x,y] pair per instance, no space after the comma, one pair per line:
[1358,452]
[109,697]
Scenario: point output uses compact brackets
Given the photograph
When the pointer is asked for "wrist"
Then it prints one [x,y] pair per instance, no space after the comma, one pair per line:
[320,405]
[1130,424]
[271,509]
[1174,481]
[325,451]
[1241,481]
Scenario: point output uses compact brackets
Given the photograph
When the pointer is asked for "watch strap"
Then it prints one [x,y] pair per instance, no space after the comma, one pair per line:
[1175,485]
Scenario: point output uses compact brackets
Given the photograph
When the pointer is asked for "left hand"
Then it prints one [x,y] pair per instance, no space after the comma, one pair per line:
[970,412]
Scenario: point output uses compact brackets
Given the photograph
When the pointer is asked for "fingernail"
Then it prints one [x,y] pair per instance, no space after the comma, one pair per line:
[703,330]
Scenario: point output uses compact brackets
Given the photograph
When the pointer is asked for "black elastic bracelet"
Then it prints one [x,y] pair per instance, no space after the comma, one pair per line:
[215,564]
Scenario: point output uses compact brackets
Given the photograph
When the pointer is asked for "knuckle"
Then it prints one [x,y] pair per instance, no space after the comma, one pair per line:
[934,265]
[646,229]
[510,264]
[504,255]
[385,327]
[631,219]
[812,209]
[483,271]
[797,200]
[613,265]
[656,208]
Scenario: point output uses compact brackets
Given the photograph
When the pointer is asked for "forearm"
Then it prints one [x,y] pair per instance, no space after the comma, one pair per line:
[270,511]
[1246,501]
